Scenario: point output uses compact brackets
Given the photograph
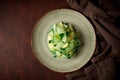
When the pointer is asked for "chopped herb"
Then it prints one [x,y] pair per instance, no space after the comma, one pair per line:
[67,33]
[54,56]
[63,40]
[61,35]
[55,45]
[50,41]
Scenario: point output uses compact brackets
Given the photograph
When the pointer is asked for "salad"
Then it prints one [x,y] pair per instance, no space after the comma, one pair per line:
[63,40]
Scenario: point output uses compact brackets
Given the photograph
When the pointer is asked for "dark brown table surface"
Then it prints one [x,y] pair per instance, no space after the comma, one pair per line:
[17,20]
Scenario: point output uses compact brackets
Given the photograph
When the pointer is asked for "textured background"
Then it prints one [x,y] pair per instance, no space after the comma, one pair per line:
[17,20]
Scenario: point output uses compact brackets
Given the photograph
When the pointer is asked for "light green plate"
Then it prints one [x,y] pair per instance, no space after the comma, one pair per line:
[39,40]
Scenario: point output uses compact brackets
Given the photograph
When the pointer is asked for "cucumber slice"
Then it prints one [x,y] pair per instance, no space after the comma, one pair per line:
[65,45]
[63,40]
[59,45]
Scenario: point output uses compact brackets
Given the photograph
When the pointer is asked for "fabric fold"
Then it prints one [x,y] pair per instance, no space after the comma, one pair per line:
[103,70]
[105,17]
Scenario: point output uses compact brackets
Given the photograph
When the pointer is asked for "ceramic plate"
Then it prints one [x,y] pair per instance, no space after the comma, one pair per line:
[39,40]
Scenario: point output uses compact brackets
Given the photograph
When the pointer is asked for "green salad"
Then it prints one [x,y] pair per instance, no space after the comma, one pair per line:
[63,40]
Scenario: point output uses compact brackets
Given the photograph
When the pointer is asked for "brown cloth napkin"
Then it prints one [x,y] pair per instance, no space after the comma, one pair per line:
[105,17]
